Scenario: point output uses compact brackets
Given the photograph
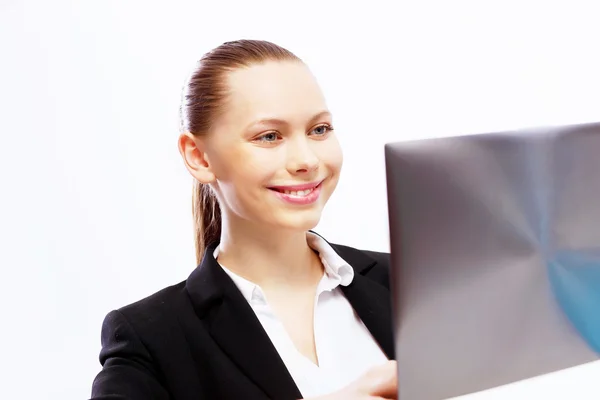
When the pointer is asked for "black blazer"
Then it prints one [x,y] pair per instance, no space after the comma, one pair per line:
[200,339]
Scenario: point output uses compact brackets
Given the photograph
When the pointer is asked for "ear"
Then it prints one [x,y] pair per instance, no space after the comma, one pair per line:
[191,149]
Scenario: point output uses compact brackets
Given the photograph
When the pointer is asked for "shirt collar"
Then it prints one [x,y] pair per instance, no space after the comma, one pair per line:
[337,270]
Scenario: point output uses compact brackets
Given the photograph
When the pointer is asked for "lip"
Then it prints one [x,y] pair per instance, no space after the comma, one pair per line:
[293,188]
[310,198]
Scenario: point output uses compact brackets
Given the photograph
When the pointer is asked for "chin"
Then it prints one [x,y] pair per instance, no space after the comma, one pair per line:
[300,221]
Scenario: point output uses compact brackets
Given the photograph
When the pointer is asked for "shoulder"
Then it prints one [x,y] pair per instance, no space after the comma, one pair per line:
[158,300]
[138,340]
[152,312]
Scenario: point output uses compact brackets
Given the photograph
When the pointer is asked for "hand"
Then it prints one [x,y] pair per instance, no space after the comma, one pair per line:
[378,383]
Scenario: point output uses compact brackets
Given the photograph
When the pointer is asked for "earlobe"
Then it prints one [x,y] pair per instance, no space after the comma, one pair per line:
[194,157]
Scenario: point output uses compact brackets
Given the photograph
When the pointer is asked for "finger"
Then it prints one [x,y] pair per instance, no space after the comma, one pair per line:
[394,397]
[388,392]
[385,382]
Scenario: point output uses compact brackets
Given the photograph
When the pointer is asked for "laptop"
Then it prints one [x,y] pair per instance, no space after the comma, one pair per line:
[495,248]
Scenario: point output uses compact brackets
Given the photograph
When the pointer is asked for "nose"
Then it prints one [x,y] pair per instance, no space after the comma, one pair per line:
[301,157]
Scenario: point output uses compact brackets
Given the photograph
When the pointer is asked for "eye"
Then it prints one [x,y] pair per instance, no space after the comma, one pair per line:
[322,130]
[269,137]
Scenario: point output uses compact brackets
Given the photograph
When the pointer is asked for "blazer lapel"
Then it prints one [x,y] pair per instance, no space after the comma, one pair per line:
[235,328]
[370,300]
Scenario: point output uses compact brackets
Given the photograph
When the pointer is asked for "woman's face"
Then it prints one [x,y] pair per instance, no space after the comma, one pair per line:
[274,156]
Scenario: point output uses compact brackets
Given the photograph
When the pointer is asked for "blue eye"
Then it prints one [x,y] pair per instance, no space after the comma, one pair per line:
[268,137]
[322,130]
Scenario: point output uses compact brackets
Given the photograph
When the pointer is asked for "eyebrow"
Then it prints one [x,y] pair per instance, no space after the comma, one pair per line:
[281,122]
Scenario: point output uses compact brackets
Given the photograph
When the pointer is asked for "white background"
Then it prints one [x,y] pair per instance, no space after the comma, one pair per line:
[95,201]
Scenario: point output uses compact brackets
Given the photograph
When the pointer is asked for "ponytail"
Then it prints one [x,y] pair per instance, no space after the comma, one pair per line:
[207,218]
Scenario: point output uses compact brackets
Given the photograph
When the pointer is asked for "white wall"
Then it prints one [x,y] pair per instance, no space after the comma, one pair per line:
[93,192]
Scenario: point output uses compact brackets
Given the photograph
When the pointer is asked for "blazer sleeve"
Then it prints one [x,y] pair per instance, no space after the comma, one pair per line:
[127,371]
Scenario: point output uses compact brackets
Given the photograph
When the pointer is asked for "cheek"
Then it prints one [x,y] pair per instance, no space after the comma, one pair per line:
[331,155]
[248,166]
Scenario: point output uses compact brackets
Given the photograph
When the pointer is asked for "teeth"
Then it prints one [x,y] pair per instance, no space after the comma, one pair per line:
[298,193]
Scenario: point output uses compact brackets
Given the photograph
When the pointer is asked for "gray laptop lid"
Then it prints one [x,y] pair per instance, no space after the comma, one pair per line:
[495,242]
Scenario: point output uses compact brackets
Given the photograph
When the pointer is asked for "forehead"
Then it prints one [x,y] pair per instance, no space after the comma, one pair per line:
[285,90]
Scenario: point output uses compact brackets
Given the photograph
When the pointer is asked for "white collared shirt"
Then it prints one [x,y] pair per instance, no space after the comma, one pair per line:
[345,347]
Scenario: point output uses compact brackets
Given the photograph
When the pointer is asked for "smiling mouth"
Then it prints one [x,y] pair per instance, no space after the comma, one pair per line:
[304,192]
[297,193]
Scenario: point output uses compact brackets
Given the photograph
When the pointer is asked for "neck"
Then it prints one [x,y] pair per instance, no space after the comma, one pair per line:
[269,257]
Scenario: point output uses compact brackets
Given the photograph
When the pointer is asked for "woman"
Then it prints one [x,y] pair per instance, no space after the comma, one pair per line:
[273,311]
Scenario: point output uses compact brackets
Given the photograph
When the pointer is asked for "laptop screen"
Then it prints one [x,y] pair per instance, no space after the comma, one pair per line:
[495,242]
